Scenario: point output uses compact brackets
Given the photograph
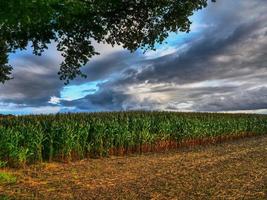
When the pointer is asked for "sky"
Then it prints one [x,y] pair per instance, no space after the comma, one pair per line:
[220,66]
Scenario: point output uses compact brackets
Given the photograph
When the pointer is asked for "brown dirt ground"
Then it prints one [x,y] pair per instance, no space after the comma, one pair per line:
[232,170]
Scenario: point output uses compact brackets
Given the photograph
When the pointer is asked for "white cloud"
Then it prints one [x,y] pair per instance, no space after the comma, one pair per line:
[19,109]
[54,100]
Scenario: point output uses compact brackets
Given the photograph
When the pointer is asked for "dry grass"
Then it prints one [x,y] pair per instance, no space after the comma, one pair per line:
[233,170]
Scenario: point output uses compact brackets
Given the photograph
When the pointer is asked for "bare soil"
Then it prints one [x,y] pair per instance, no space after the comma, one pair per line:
[231,170]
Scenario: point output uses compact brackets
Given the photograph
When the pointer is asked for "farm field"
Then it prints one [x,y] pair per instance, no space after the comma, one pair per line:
[231,170]
[133,99]
[66,137]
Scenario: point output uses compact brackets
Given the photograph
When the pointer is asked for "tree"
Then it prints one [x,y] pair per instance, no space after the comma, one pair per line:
[73,24]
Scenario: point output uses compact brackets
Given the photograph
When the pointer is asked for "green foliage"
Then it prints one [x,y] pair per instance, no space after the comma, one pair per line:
[4,197]
[2,164]
[74,25]
[6,178]
[30,139]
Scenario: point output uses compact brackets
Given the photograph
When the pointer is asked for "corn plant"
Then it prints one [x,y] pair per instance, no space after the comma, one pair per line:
[34,138]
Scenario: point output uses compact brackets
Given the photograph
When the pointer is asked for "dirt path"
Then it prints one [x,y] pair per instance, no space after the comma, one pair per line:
[233,170]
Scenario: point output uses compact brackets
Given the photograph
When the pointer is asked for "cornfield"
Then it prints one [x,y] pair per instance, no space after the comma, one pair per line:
[65,137]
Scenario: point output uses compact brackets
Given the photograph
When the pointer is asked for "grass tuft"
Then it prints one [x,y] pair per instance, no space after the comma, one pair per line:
[4,197]
[7,178]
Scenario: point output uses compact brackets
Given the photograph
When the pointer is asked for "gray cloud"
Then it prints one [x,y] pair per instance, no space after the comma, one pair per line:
[104,99]
[35,81]
[113,63]
[254,99]
[222,68]
[238,55]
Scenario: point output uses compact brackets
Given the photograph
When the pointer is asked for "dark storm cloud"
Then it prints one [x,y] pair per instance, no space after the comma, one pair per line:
[35,81]
[243,100]
[106,66]
[104,99]
[222,68]
[198,63]
[238,55]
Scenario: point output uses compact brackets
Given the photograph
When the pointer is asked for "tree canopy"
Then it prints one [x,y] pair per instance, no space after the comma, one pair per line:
[74,24]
